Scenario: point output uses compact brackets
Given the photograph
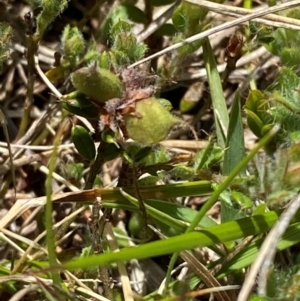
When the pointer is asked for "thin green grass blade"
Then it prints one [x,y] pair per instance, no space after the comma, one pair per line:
[48,212]
[235,149]
[173,210]
[248,255]
[217,96]
[218,234]
[234,153]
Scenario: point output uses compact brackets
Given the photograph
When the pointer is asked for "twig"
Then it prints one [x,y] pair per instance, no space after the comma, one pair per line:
[45,78]
[274,20]
[155,24]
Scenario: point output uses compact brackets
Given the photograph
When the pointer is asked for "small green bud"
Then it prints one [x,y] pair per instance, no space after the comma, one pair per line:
[107,60]
[108,136]
[72,42]
[98,83]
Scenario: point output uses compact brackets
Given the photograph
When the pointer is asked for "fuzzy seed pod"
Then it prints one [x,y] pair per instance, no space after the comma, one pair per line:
[152,122]
[97,83]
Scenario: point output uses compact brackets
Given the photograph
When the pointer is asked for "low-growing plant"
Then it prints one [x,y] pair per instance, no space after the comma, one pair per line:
[119,114]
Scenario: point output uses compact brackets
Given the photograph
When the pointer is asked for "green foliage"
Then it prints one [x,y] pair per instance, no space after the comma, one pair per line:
[107,60]
[217,96]
[72,44]
[125,47]
[121,13]
[187,18]
[244,201]
[208,157]
[135,226]
[166,30]
[5,38]
[283,284]
[257,110]
[83,142]
[285,45]
[111,152]
[74,171]
[235,144]
[76,99]
[50,10]
[136,153]
[119,103]
[158,155]
[282,106]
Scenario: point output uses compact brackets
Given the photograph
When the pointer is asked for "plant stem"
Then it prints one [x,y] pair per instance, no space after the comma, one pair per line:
[48,210]
[32,46]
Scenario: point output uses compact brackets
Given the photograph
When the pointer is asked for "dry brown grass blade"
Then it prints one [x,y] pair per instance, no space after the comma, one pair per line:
[271,19]
[204,274]
[113,245]
[22,205]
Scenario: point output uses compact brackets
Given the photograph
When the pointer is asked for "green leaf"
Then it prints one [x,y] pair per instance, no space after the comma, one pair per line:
[235,149]
[50,10]
[209,156]
[290,57]
[244,201]
[142,153]
[90,112]
[107,60]
[166,29]
[217,96]
[111,152]
[187,18]
[257,110]
[76,99]
[83,142]
[254,123]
